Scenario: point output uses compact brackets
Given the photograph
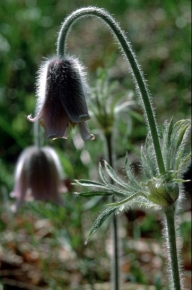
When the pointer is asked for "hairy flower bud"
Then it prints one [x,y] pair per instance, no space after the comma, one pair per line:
[162,193]
[61,92]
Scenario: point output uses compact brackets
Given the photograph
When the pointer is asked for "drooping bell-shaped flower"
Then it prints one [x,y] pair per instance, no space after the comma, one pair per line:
[61,98]
[38,176]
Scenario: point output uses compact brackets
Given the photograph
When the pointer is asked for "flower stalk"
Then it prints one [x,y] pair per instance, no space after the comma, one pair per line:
[175,279]
[115,267]
[137,75]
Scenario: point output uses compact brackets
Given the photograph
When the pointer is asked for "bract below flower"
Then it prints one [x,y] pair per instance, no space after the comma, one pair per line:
[38,176]
[61,98]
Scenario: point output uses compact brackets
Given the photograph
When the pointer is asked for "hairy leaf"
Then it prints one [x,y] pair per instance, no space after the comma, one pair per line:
[125,200]
[93,193]
[114,176]
[109,186]
[99,221]
[129,173]
[89,183]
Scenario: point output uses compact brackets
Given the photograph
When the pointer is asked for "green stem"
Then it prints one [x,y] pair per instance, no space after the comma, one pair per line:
[125,46]
[108,138]
[175,277]
[36,134]
[115,268]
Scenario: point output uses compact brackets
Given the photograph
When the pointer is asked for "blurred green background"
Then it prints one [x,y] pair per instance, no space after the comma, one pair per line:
[160,35]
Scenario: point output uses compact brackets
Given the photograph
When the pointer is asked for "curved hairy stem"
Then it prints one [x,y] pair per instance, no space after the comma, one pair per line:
[125,47]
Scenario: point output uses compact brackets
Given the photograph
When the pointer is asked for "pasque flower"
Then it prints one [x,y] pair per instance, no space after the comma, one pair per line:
[61,98]
[38,176]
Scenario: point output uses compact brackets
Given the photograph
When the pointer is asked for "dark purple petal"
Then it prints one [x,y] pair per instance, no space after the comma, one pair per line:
[84,131]
[43,177]
[55,119]
[20,189]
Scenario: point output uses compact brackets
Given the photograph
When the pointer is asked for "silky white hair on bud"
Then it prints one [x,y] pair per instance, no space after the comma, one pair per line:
[41,84]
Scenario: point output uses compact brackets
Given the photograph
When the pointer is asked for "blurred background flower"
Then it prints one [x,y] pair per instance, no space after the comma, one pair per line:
[38,175]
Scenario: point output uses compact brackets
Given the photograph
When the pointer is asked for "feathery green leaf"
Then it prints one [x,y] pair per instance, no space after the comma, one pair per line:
[99,221]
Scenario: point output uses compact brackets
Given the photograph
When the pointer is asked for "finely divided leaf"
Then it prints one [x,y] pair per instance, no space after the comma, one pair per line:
[109,186]
[129,173]
[102,175]
[167,146]
[94,193]
[181,135]
[125,200]
[99,221]
[114,176]
[89,183]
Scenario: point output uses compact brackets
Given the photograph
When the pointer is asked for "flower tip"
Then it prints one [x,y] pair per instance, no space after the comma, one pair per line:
[55,136]
[29,117]
[88,137]
[84,117]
